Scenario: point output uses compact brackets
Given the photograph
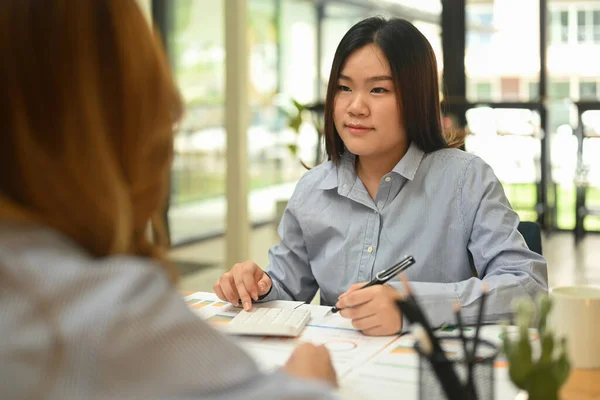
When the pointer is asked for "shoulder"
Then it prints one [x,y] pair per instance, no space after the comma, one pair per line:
[37,245]
[52,265]
[452,158]
[455,162]
[78,289]
[119,310]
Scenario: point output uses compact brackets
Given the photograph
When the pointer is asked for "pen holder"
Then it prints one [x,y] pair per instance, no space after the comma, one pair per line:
[430,387]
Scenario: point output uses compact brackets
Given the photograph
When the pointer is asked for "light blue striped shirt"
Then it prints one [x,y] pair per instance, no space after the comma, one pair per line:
[74,327]
[439,207]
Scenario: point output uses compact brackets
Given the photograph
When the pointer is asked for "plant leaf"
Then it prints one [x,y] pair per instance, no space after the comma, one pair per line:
[293,149]
[295,123]
[299,106]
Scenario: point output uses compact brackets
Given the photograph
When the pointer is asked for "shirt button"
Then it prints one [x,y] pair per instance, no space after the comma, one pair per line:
[387,179]
[370,249]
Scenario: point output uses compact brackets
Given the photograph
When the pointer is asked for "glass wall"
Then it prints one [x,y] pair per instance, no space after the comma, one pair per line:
[196,44]
[283,53]
[502,50]
[573,59]
[282,45]
[277,74]
[502,65]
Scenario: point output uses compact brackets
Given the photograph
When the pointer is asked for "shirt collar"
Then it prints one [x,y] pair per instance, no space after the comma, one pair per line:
[345,174]
[409,164]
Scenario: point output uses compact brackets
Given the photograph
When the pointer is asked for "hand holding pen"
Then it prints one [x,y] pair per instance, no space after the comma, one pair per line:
[383,276]
[372,305]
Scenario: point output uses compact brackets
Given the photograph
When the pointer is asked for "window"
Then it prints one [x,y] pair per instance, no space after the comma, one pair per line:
[588,26]
[197,47]
[584,27]
[587,90]
[559,27]
[484,20]
[510,89]
[581,27]
[559,112]
[534,90]
[483,91]
[282,60]
[596,26]
[559,90]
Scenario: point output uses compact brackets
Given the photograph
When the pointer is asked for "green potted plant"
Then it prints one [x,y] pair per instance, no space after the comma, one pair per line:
[541,377]
[297,114]
[300,113]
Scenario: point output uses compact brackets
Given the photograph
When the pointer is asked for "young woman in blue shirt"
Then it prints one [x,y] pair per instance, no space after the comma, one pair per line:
[392,187]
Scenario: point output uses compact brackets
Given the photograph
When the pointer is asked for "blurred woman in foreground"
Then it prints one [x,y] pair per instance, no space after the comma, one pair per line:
[88,306]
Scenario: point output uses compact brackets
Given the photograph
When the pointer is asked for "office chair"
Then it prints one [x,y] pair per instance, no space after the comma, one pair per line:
[532,233]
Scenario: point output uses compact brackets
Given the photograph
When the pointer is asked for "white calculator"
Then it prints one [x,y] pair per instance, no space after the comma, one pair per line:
[268,322]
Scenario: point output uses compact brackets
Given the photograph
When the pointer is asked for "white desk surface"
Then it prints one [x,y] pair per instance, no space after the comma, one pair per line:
[377,368]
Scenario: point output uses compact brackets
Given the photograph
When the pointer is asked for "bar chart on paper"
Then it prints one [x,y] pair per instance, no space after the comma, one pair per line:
[348,348]
[367,367]
[216,312]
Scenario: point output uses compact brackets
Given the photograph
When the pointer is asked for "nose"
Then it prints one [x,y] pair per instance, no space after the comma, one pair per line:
[358,106]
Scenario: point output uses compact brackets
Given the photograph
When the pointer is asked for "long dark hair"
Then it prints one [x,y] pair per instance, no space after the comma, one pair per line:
[414,71]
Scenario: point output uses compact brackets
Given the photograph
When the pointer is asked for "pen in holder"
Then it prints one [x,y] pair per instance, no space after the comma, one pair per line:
[430,387]
[446,363]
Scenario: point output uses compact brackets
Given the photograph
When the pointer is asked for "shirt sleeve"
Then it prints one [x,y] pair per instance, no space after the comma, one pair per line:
[289,265]
[158,348]
[501,258]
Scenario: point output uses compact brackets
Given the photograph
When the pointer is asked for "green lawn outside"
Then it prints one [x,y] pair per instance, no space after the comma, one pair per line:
[522,198]
[196,186]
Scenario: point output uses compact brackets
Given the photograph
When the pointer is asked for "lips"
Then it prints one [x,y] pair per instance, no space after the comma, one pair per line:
[358,129]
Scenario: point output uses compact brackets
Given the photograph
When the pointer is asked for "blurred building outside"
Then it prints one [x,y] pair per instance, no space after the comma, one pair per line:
[502,62]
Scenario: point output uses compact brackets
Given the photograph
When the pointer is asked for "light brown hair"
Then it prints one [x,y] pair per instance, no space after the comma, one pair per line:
[456,137]
[87,109]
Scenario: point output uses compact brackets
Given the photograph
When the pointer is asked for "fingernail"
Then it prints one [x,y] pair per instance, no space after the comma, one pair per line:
[341,295]
[254,296]
[262,286]
[247,306]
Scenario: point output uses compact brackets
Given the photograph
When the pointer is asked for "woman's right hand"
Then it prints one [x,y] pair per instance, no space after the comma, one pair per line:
[245,282]
[311,362]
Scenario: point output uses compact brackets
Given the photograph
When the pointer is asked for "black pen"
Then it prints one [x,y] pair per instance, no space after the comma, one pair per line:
[385,275]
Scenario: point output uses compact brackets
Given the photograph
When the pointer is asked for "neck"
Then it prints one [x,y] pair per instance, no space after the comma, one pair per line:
[374,168]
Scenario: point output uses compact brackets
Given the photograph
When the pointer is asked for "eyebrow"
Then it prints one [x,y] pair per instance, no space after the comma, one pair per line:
[371,79]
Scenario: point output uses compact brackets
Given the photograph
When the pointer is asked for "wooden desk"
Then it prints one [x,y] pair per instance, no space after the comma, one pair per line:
[583,384]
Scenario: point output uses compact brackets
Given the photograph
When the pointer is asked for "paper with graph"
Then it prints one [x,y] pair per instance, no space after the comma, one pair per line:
[217,312]
[368,367]
[348,348]
[396,369]
[322,317]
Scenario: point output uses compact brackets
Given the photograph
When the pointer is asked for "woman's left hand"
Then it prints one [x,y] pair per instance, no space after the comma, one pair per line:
[372,310]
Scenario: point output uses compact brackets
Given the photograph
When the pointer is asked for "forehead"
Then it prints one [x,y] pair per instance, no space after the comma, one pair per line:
[366,61]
